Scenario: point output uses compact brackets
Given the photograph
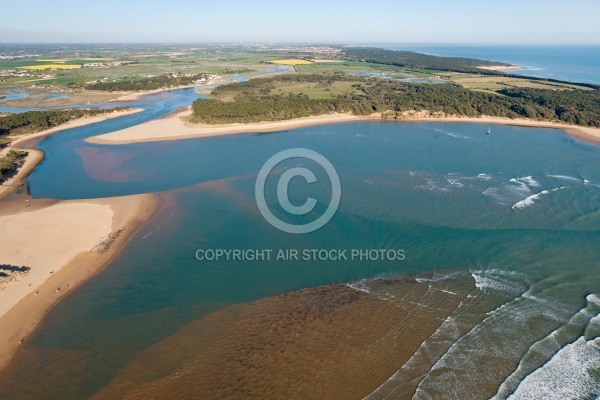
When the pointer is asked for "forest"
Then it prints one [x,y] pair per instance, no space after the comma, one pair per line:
[10,162]
[35,121]
[413,60]
[253,101]
[156,82]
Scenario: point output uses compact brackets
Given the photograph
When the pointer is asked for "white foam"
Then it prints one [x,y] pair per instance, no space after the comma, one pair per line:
[567,178]
[455,135]
[468,367]
[530,200]
[541,351]
[565,376]
[484,177]
[432,185]
[437,277]
[593,299]
[360,285]
[455,182]
[444,337]
[499,280]
[528,180]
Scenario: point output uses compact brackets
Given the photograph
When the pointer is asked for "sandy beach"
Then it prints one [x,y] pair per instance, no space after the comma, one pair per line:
[500,67]
[32,160]
[21,139]
[54,239]
[63,243]
[175,127]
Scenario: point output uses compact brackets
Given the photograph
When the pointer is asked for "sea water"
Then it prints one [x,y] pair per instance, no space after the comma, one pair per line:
[574,63]
[517,210]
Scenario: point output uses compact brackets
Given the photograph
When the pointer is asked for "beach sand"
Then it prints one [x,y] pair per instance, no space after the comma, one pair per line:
[21,140]
[54,240]
[174,127]
[63,243]
[33,158]
[500,67]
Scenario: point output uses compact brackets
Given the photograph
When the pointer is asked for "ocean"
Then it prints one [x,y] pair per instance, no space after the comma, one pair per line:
[574,63]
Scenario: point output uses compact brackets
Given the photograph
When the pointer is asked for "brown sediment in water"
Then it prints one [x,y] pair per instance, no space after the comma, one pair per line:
[333,341]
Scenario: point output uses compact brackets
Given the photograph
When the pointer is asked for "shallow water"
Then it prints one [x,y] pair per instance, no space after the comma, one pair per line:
[517,210]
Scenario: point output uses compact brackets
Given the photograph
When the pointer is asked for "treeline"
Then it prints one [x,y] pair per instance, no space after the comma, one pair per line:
[253,101]
[574,107]
[268,108]
[412,60]
[10,163]
[35,121]
[570,106]
[265,85]
[155,82]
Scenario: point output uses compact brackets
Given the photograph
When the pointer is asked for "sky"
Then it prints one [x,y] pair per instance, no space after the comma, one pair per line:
[305,21]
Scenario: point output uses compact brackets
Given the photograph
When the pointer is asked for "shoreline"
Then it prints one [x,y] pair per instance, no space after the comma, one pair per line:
[35,157]
[132,96]
[81,237]
[79,122]
[174,128]
[500,67]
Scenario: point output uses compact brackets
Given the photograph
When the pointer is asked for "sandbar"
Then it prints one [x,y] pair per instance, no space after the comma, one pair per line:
[63,243]
[500,67]
[175,126]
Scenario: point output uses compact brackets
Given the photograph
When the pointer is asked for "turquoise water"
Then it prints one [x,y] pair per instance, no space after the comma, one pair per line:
[575,63]
[518,210]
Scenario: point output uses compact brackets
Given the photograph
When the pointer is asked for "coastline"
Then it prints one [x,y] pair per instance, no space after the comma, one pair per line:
[35,157]
[131,96]
[22,139]
[500,67]
[79,237]
[175,128]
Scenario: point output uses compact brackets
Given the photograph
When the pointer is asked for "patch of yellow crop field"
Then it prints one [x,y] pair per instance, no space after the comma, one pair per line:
[291,62]
[50,66]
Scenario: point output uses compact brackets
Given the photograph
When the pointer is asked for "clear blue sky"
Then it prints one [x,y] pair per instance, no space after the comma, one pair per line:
[352,22]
